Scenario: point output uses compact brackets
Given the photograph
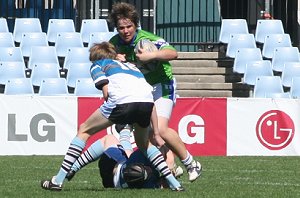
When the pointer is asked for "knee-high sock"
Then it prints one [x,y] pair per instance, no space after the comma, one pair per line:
[157,160]
[91,154]
[188,160]
[125,139]
[74,151]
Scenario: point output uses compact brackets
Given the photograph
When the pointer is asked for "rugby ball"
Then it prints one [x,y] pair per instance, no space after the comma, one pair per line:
[149,46]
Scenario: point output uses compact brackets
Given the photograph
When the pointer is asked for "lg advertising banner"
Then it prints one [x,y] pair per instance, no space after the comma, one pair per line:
[37,125]
[201,123]
[263,127]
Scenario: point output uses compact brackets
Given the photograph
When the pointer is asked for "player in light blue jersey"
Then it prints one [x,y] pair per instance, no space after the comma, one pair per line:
[128,100]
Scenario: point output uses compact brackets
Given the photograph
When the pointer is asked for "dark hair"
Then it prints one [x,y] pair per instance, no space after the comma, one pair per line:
[102,50]
[123,10]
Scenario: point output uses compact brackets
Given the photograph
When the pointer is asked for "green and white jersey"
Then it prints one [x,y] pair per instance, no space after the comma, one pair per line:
[162,72]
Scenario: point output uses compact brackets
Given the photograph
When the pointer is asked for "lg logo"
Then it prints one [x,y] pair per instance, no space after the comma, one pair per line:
[40,122]
[191,129]
[275,130]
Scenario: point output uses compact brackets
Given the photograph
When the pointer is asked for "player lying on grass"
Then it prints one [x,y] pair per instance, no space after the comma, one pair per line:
[119,165]
[128,100]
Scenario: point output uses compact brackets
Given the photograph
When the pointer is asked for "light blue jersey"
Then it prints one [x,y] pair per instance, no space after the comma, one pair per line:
[126,84]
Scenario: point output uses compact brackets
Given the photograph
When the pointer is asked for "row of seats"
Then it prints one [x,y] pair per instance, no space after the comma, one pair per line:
[9,70]
[55,26]
[51,87]
[266,56]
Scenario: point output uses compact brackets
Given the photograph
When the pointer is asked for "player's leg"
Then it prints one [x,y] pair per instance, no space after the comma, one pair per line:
[164,108]
[92,125]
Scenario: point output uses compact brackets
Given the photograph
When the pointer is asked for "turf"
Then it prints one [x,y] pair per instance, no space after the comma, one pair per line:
[222,177]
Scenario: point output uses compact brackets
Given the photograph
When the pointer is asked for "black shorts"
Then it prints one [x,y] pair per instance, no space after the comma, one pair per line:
[130,113]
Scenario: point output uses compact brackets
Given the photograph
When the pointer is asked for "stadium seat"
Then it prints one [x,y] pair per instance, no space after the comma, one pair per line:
[42,54]
[255,69]
[23,25]
[278,95]
[6,39]
[267,84]
[238,41]
[56,26]
[295,88]
[3,25]
[273,41]
[66,40]
[98,37]
[30,39]
[266,27]
[86,87]
[13,54]
[232,26]
[9,70]
[76,71]
[243,56]
[283,55]
[53,87]
[76,55]
[92,25]
[290,70]
[18,86]
[44,70]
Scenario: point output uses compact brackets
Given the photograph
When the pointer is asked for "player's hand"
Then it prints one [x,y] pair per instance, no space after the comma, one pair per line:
[121,57]
[145,56]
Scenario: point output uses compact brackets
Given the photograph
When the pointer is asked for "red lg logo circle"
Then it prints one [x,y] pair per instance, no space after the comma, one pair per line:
[275,129]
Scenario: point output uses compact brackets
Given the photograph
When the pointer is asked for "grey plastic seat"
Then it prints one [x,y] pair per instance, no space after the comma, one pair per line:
[76,55]
[283,55]
[41,71]
[66,40]
[98,37]
[91,25]
[239,41]
[295,88]
[76,71]
[23,25]
[53,87]
[6,39]
[232,26]
[10,70]
[273,41]
[56,26]
[266,85]
[243,56]
[18,86]
[290,70]
[255,69]
[86,87]
[266,27]
[42,54]
[13,54]
[30,39]
[3,25]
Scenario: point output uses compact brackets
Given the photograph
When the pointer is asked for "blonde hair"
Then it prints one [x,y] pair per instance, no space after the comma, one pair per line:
[123,10]
[102,51]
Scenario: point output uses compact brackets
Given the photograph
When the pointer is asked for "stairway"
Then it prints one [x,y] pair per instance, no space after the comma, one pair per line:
[207,74]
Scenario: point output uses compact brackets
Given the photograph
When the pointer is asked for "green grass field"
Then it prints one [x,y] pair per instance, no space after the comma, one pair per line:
[221,177]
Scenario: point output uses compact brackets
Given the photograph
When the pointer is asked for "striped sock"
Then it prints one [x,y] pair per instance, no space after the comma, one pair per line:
[158,161]
[188,160]
[91,154]
[74,151]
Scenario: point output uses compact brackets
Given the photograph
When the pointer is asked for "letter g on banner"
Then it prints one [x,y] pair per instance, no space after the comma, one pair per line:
[191,129]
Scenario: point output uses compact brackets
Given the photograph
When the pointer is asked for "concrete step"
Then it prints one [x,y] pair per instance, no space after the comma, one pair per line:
[212,93]
[202,63]
[206,78]
[202,70]
[211,86]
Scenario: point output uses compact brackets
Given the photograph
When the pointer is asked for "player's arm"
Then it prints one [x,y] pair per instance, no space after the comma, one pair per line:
[164,54]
